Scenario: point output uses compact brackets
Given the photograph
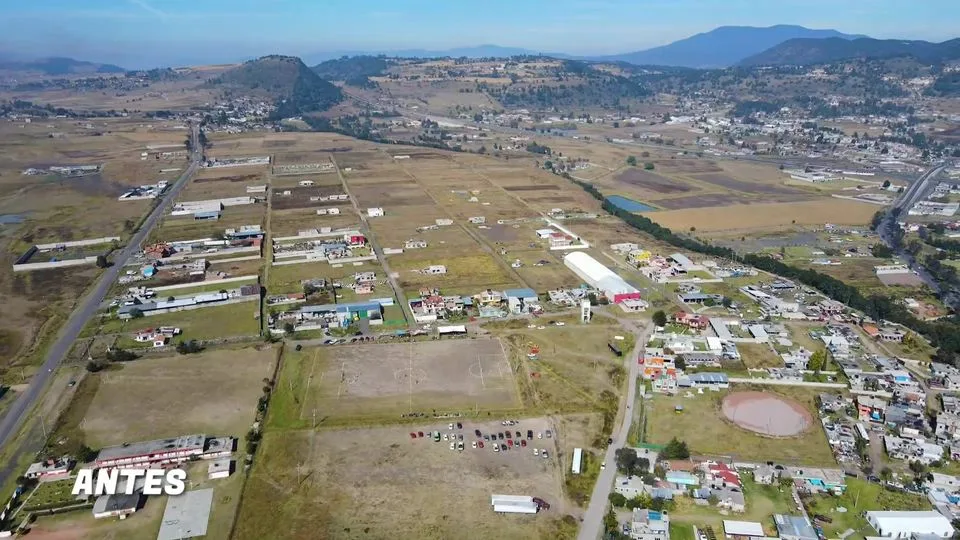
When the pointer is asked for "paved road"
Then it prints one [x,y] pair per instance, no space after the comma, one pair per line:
[888,231]
[378,251]
[18,410]
[592,526]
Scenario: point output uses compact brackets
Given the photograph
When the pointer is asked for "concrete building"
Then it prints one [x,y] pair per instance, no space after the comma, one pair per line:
[220,468]
[116,505]
[743,529]
[905,524]
[150,453]
[49,468]
[649,525]
[600,277]
[374,212]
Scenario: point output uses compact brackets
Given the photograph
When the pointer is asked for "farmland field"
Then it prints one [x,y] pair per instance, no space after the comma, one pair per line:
[766,216]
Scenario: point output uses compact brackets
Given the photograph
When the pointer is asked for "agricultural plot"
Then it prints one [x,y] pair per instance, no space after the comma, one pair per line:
[466,274]
[383,380]
[187,228]
[208,323]
[706,430]
[767,216]
[653,182]
[128,407]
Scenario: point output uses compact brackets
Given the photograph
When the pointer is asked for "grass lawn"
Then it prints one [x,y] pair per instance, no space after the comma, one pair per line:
[53,493]
[704,428]
[204,323]
[758,355]
[860,497]
[762,503]
[681,531]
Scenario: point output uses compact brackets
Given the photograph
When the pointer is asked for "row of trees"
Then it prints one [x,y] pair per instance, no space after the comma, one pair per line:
[943,333]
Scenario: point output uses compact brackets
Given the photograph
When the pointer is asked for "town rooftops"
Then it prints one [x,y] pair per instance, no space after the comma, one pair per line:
[520,293]
[147,448]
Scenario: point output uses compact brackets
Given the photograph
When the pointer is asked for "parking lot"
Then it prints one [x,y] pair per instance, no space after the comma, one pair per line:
[381,483]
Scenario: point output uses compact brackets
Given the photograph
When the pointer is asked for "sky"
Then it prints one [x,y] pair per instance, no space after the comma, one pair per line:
[147,33]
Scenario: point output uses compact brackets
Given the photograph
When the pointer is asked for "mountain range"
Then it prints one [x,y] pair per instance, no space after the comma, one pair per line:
[820,51]
[723,46]
[59,66]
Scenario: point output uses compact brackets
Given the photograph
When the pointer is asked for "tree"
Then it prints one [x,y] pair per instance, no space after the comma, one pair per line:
[102,261]
[289,328]
[610,522]
[659,318]
[135,313]
[675,449]
[632,161]
[629,463]
[917,468]
[618,500]
[189,347]
[727,302]
[680,363]
[886,474]
[94,366]
[881,251]
[85,454]
[120,355]
[818,361]
[648,166]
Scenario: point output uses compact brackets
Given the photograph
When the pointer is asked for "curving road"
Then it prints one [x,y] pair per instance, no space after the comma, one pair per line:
[17,412]
[592,525]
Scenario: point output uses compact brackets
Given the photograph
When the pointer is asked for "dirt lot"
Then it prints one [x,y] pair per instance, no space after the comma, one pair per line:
[165,397]
[652,181]
[705,200]
[312,484]
[379,380]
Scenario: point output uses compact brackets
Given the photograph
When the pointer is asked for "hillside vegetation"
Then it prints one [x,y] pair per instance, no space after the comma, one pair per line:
[354,71]
[295,88]
[803,51]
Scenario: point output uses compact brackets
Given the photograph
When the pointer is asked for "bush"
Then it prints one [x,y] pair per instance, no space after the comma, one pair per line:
[648,166]
[189,347]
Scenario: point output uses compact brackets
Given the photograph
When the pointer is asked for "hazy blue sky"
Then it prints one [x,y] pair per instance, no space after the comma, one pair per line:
[144,32]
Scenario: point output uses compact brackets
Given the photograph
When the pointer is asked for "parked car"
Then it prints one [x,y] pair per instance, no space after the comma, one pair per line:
[445,436]
[530,434]
[460,436]
[523,443]
[480,444]
[536,451]
[453,445]
[610,441]
[503,447]
[539,434]
[509,435]
[460,446]
[549,434]
[500,435]
[486,437]
[510,443]
[459,425]
[450,426]
[420,434]
[544,454]
[476,432]
[518,435]
[413,435]
[496,448]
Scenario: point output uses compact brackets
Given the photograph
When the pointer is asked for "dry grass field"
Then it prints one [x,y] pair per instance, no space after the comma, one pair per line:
[338,384]
[311,484]
[767,216]
[170,396]
[53,208]
[705,429]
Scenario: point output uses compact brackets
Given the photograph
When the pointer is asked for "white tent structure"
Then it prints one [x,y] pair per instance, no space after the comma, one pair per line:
[513,504]
[600,277]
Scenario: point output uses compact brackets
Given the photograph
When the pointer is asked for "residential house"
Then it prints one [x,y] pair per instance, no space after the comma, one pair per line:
[649,525]
[948,428]
[50,468]
[522,301]
[730,499]
[721,475]
[766,475]
[871,409]
[691,320]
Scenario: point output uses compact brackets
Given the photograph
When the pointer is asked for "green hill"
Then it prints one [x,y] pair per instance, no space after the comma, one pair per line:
[806,51]
[295,88]
[353,70]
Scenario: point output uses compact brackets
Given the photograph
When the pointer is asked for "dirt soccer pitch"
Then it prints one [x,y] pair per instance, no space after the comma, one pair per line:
[421,377]
[767,414]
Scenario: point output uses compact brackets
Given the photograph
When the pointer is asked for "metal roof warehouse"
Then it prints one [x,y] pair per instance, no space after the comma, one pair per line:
[161,450]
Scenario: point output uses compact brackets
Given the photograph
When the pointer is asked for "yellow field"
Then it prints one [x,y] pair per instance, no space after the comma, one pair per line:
[767,216]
